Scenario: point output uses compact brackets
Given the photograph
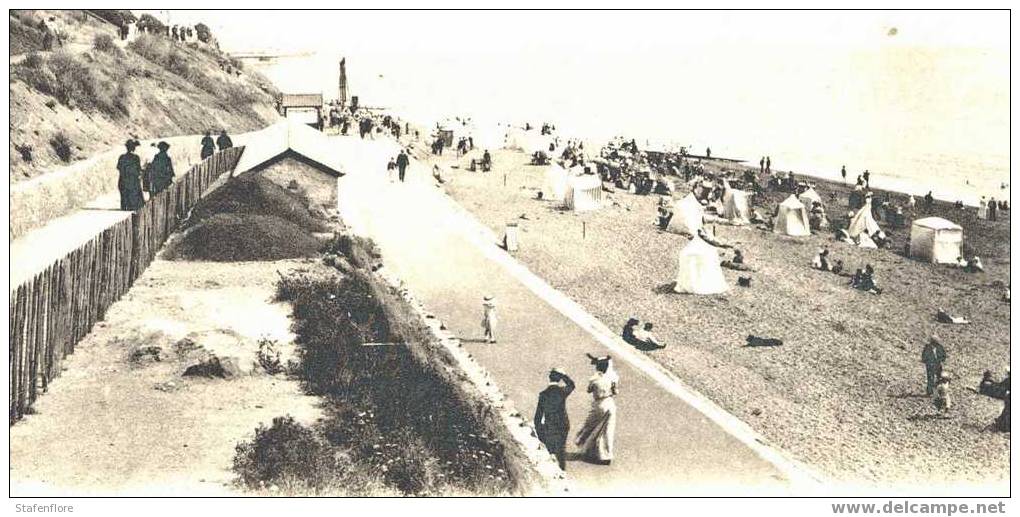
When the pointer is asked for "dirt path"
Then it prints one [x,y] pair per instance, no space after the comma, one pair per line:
[111,425]
[665,446]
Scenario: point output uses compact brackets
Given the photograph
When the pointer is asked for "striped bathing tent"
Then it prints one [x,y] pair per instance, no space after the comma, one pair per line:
[584,193]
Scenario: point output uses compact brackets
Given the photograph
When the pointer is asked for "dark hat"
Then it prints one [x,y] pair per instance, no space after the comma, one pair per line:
[163,146]
[131,143]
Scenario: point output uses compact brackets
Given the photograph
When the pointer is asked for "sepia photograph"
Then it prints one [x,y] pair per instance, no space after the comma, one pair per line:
[477,254]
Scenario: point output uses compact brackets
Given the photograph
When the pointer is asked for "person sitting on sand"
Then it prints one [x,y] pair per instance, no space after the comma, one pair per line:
[821,260]
[647,340]
[880,239]
[664,217]
[737,262]
[974,265]
[844,236]
[628,331]
[865,280]
[989,387]
[718,243]
[961,262]
[944,317]
[837,268]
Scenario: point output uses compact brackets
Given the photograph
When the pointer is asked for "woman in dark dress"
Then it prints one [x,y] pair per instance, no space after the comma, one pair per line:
[161,169]
[129,182]
[208,147]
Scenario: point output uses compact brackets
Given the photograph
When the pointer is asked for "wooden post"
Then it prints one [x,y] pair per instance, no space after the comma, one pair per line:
[584,230]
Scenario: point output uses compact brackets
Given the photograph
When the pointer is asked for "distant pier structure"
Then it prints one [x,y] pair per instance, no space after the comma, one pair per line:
[341,92]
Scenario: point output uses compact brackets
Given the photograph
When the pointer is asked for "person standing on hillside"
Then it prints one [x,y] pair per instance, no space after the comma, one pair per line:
[842,172]
[761,164]
[768,165]
[993,209]
[161,170]
[402,163]
[208,148]
[129,180]
[552,425]
[223,141]
[933,355]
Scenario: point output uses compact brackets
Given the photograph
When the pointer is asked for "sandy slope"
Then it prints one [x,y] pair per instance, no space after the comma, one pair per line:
[845,393]
[111,425]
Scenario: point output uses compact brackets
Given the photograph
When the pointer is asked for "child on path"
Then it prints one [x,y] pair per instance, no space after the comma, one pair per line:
[489,318]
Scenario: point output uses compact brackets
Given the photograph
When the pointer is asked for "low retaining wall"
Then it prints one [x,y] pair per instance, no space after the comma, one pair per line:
[536,470]
[53,310]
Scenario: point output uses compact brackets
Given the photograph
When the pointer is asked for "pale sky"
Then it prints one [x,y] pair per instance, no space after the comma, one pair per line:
[879,90]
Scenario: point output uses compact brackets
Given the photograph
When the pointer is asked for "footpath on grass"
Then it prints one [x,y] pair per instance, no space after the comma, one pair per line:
[665,445]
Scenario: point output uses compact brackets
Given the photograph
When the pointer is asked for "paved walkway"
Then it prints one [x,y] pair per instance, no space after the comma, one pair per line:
[664,445]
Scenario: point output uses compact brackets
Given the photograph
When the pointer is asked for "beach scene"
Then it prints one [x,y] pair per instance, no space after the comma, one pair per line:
[506,254]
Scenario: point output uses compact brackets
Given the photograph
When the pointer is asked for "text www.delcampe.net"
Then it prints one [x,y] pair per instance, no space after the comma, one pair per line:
[910,508]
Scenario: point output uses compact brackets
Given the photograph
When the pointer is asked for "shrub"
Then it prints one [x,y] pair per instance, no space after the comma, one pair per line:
[286,454]
[33,60]
[75,84]
[61,145]
[25,151]
[149,23]
[104,43]
[204,34]
[269,357]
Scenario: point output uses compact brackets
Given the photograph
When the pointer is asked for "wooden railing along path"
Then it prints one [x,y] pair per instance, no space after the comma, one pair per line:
[53,310]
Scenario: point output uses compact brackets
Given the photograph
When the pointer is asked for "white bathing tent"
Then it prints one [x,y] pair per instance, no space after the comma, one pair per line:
[792,218]
[863,221]
[584,193]
[698,269]
[688,215]
[936,240]
[736,207]
[809,197]
[555,184]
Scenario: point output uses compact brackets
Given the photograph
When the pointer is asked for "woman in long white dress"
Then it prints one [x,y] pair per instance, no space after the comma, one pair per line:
[595,438]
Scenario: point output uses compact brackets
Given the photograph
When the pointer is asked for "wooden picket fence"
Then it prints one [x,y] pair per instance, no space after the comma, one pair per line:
[51,312]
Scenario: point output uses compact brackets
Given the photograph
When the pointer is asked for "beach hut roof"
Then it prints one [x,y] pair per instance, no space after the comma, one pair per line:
[289,138]
[937,223]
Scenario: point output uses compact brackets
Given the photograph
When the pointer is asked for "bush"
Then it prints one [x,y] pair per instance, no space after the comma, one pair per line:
[203,32]
[286,454]
[33,60]
[105,43]
[25,151]
[61,145]
[269,357]
[74,83]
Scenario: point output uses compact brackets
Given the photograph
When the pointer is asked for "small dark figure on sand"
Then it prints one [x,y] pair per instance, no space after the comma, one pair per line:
[933,355]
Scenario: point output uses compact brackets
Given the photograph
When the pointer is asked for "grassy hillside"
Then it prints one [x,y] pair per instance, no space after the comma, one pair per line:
[92,91]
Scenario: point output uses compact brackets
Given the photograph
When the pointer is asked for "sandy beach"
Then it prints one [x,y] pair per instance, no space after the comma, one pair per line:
[846,391]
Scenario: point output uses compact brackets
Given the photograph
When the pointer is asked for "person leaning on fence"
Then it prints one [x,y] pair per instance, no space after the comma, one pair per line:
[161,170]
[129,179]
[208,147]
[223,141]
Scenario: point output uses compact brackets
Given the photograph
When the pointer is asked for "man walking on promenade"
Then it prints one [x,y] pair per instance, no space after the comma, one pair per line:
[402,163]
[933,355]
[551,422]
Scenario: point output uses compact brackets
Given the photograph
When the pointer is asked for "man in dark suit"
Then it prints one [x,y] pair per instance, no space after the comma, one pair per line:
[551,422]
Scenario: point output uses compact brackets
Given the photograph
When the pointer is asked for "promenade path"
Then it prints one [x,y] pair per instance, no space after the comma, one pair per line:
[664,445]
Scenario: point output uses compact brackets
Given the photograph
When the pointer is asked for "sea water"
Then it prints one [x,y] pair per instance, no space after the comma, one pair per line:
[918,118]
